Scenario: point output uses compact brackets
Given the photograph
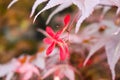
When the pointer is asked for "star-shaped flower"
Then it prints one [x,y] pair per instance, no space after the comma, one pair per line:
[54,39]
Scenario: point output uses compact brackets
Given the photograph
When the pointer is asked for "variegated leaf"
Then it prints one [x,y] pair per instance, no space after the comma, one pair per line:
[50,4]
[58,9]
[94,48]
[36,3]
[86,12]
[9,67]
[11,3]
[113,52]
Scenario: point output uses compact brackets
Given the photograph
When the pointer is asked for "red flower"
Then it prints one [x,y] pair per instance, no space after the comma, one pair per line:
[54,39]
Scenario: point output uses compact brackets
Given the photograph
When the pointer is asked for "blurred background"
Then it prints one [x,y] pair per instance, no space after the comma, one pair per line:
[18,34]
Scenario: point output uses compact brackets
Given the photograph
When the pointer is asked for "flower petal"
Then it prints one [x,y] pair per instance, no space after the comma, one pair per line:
[50,31]
[50,48]
[62,53]
[57,35]
[66,19]
[47,40]
[65,48]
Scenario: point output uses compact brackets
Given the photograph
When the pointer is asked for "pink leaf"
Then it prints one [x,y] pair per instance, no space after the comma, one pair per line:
[105,10]
[8,67]
[88,8]
[39,61]
[50,48]
[113,52]
[106,2]
[50,71]
[95,48]
[111,3]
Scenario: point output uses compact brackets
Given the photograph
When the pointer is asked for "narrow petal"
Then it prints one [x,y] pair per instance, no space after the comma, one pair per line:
[47,40]
[57,35]
[62,53]
[50,48]
[66,48]
[66,19]
[50,31]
